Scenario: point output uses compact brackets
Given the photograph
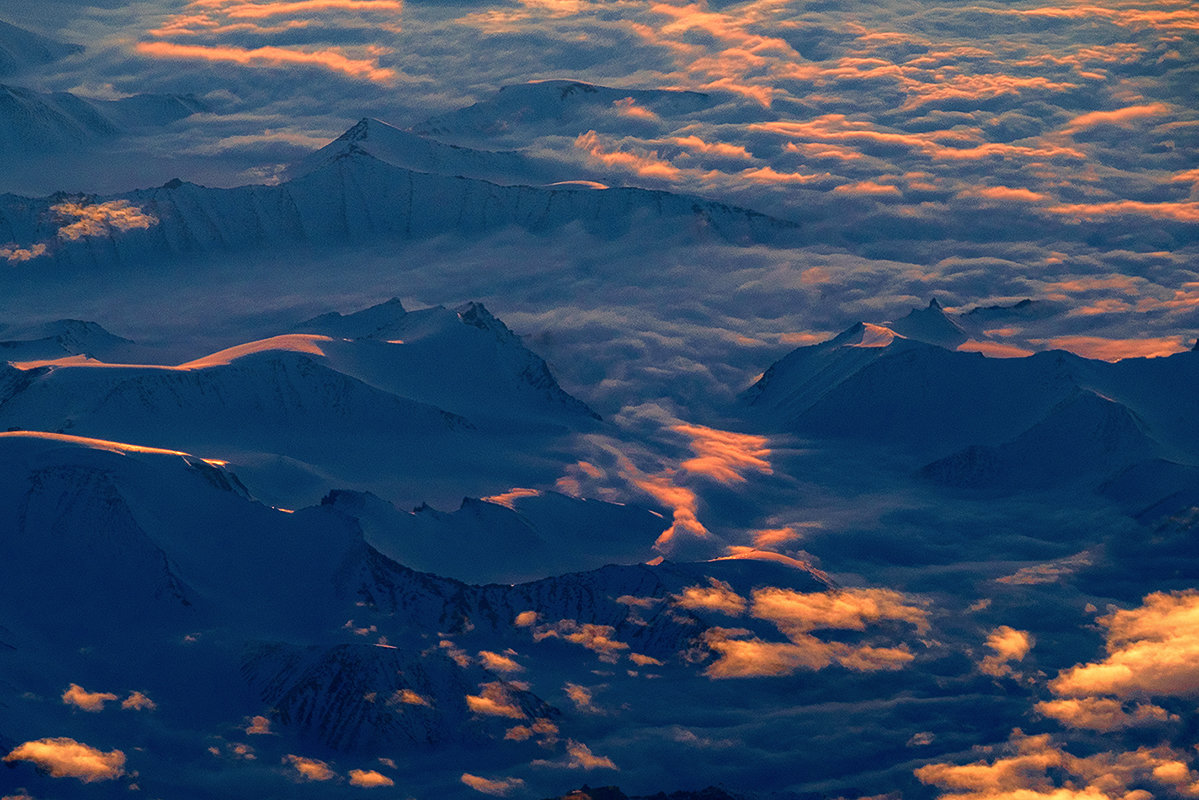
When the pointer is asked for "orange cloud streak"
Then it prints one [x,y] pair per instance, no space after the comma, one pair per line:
[270,56]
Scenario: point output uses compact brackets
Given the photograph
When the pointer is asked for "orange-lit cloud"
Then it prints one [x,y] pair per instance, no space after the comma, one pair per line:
[755,658]
[310,769]
[723,149]
[272,57]
[1119,116]
[579,756]
[100,219]
[628,107]
[303,7]
[647,163]
[79,697]
[15,255]
[993,349]
[1008,645]
[596,638]
[1037,768]
[369,779]
[869,188]
[409,698]
[716,596]
[1103,714]
[1115,349]
[63,757]
[498,662]
[845,609]
[581,696]
[138,702]
[540,727]
[1175,212]
[1151,650]
[259,726]
[1004,194]
[494,700]
[725,456]
[498,788]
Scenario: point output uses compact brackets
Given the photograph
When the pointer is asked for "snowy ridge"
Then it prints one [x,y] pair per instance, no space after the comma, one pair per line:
[933,401]
[22,50]
[358,198]
[563,107]
[67,337]
[422,154]
[466,361]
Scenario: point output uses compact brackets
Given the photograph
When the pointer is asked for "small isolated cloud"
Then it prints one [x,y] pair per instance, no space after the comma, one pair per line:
[541,727]
[1151,650]
[580,696]
[498,662]
[580,757]
[92,702]
[494,700]
[63,757]
[1120,116]
[525,619]
[82,218]
[258,726]
[309,769]
[501,787]
[409,698]
[1008,645]
[137,701]
[1103,714]
[716,596]
[15,255]
[369,779]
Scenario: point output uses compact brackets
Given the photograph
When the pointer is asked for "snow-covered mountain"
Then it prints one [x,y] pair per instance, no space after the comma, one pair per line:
[873,383]
[523,537]
[36,123]
[439,403]
[522,112]
[423,154]
[65,337]
[354,199]
[22,50]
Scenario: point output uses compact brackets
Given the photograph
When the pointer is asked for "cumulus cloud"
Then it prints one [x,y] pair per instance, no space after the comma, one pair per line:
[259,726]
[1007,645]
[369,779]
[499,787]
[309,769]
[1152,649]
[14,254]
[62,757]
[499,662]
[716,596]
[494,700]
[1037,767]
[79,697]
[597,638]
[845,609]
[1103,714]
[137,701]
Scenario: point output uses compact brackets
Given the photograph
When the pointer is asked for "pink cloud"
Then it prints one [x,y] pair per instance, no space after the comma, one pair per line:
[1004,194]
[646,163]
[724,456]
[993,349]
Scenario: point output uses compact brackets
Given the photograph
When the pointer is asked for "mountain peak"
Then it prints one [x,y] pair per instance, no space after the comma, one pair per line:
[933,304]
